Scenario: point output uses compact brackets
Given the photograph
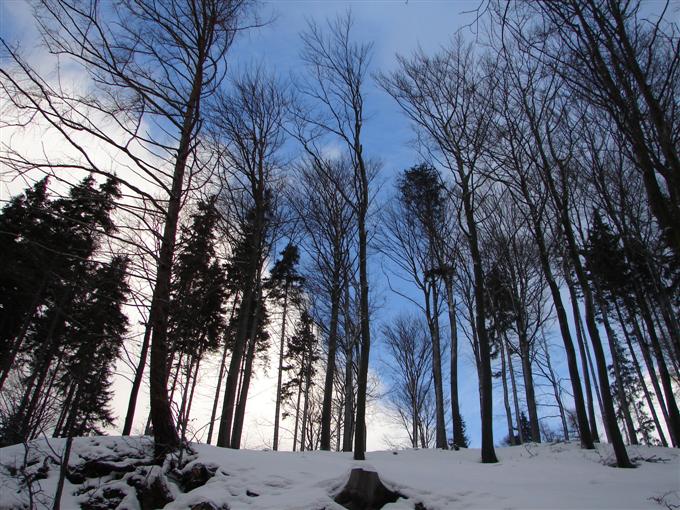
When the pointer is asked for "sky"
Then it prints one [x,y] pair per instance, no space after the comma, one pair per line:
[394,27]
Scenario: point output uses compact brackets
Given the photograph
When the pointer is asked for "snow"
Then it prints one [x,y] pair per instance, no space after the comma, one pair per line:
[531,476]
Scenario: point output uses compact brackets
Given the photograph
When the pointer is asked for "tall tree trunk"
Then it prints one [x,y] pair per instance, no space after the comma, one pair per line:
[616,364]
[525,356]
[641,378]
[431,312]
[194,381]
[137,381]
[305,411]
[282,343]
[506,399]
[239,416]
[231,386]
[456,421]
[578,326]
[556,393]
[65,407]
[175,377]
[488,452]
[622,459]
[513,383]
[651,372]
[362,380]
[297,415]
[326,410]
[574,376]
[165,433]
[220,375]
[62,474]
[671,404]
[348,425]
[185,394]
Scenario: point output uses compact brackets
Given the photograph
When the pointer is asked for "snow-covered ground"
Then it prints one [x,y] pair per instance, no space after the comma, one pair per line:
[531,476]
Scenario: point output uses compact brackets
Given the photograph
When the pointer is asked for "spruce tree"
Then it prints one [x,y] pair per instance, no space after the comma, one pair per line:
[57,240]
[197,298]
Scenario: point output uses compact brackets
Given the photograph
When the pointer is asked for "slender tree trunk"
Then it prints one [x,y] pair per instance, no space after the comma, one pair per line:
[137,381]
[62,474]
[488,452]
[220,376]
[326,410]
[556,392]
[175,377]
[165,433]
[185,394]
[515,400]
[431,312]
[297,415]
[525,356]
[282,343]
[338,425]
[362,382]
[65,407]
[194,381]
[574,376]
[224,435]
[305,412]
[638,371]
[671,405]
[668,347]
[622,459]
[348,428]
[239,417]
[651,372]
[506,398]
[623,400]
[46,398]
[456,422]
[578,326]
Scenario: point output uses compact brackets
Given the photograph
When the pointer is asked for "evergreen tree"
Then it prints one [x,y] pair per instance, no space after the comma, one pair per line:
[198,293]
[301,356]
[197,298]
[95,335]
[57,239]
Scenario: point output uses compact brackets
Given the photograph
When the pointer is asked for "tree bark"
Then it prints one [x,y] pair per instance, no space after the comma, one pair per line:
[277,410]
[137,381]
[582,351]
[326,410]
[506,398]
[247,373]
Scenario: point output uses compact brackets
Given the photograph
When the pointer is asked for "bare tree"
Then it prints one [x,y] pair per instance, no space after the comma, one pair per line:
[413,228]
[444,98]
[410,365]
[319,200]
[338,68]
[627,65]
[249,132]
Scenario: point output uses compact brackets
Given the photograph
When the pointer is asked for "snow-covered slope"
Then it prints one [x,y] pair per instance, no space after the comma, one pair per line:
[531,476]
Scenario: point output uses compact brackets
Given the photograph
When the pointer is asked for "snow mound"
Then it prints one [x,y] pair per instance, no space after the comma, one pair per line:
[116,472]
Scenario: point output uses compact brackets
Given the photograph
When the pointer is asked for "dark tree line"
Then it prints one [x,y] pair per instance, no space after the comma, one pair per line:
[62,320]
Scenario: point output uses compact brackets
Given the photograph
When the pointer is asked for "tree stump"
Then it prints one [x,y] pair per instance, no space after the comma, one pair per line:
[365,491]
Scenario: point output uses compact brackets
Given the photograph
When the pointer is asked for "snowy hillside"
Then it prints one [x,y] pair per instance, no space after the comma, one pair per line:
[113,472]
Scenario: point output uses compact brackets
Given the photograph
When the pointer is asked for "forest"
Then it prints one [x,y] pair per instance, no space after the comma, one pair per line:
[202,222]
